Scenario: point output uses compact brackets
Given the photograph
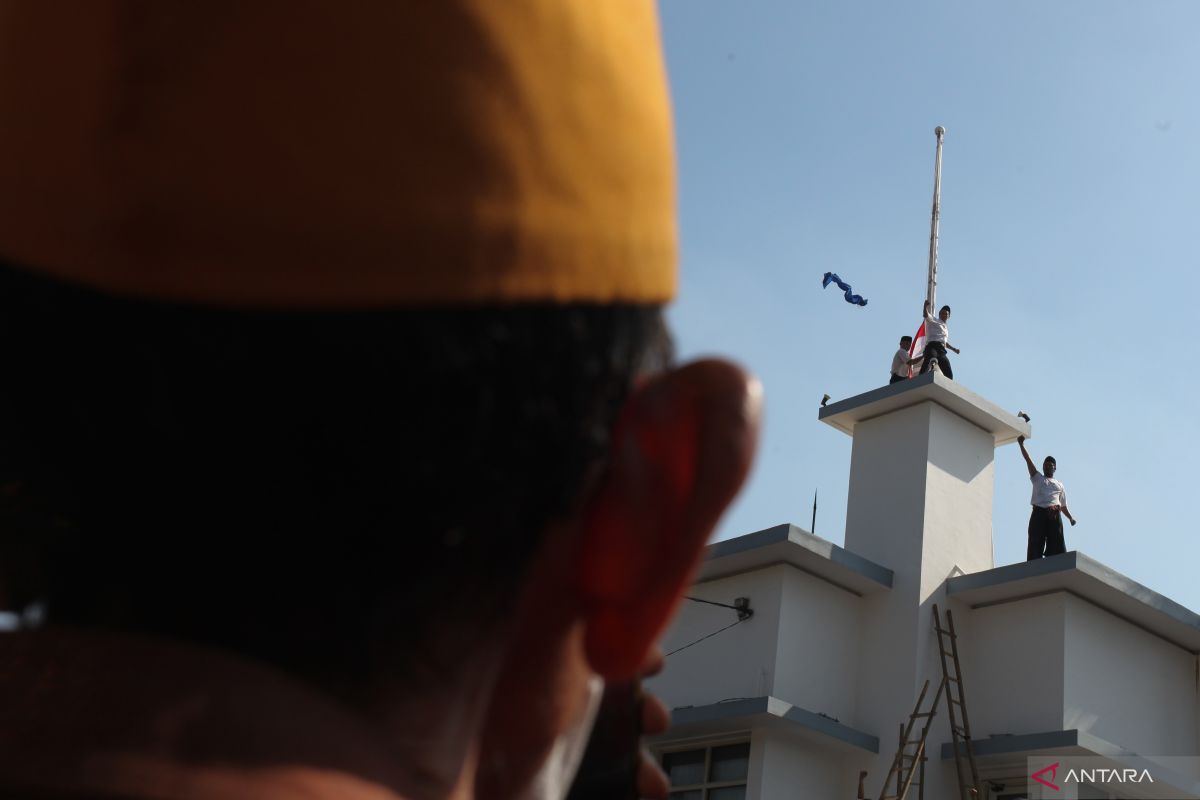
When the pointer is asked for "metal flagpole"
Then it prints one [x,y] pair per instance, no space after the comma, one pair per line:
[931,291]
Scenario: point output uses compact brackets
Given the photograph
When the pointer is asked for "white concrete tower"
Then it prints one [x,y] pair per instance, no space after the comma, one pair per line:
[920,503]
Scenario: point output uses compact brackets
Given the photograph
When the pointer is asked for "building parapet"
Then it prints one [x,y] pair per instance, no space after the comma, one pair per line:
[788,544]
[934,387]
[751,712]
[1088,579]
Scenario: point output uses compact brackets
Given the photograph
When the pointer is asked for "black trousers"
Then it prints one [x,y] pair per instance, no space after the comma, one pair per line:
[937,350]
[1045,534]
[897,378]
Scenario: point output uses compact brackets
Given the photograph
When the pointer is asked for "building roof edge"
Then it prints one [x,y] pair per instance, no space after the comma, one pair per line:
[789,544]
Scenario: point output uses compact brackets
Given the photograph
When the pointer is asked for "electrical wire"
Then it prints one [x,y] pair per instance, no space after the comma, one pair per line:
[711,603]
[702,638]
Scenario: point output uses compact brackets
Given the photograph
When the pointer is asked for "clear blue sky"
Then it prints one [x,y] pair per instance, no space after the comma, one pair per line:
[1070,200]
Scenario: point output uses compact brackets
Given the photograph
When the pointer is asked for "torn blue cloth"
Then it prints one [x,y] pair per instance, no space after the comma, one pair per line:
[830,277]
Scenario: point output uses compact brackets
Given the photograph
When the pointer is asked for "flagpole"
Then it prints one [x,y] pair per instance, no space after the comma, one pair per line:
[931,289]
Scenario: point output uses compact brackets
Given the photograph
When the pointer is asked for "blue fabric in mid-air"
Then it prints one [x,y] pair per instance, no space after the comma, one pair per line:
[831,277]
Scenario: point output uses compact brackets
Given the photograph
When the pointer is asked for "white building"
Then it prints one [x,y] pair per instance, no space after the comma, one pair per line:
[1060,657]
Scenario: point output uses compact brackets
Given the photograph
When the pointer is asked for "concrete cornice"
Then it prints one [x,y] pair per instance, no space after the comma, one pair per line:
[1085,577]
[787,544]
[933,387]
[1072,742]
[746,713]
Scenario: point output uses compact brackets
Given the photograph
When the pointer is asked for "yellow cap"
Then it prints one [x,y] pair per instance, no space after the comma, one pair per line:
[374,153]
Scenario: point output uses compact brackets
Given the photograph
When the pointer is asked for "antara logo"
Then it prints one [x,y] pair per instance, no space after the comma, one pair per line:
[1053,770]
[1126,775]
[1093,776]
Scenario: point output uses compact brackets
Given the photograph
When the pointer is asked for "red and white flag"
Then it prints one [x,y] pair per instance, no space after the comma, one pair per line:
[917,348]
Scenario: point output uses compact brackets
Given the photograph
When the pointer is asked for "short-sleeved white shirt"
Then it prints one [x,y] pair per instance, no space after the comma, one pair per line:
[1047,491]
[900,363]
[936,330]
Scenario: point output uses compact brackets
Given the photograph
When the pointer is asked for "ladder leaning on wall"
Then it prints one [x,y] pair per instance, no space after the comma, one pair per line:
[956,707]
[910,757]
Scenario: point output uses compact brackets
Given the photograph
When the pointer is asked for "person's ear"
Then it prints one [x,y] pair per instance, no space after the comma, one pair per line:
[681,449]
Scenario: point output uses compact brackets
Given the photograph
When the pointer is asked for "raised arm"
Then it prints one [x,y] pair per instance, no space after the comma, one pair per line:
[925,311]
[1028,460]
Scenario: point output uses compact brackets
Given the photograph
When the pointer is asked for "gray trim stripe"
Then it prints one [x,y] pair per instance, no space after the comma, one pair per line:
[810,542]
[779,709]
[888,390]
[1012,572]
[748,541]
[1022,743]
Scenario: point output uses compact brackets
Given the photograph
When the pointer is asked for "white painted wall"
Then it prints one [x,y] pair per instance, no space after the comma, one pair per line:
[960,479]
[756,775]
[1127,685]
[920,503]
[885,505]
[795,769]
[1058,662]
[884,517]
[1015,669]
[739,662]
[818,644]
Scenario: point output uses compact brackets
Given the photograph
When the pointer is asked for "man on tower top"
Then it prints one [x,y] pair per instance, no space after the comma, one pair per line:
[937,341]
[899,371]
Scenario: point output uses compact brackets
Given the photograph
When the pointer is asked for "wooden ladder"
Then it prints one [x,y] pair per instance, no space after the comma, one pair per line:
[956,708]
[910,757]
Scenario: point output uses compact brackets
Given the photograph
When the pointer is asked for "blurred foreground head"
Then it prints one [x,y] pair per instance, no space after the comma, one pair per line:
[340,446]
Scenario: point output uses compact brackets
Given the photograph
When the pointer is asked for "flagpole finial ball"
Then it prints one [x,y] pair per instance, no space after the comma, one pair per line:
[939,131]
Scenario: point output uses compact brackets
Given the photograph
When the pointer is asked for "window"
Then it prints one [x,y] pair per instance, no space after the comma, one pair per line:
[708,773]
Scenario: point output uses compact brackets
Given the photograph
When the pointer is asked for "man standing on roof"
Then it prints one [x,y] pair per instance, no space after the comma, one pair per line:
[899,371]
[1049,503]
[937,341]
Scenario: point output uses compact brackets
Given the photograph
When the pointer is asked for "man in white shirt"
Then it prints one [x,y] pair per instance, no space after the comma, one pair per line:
[937,340]
[900,361]
[1049,503]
